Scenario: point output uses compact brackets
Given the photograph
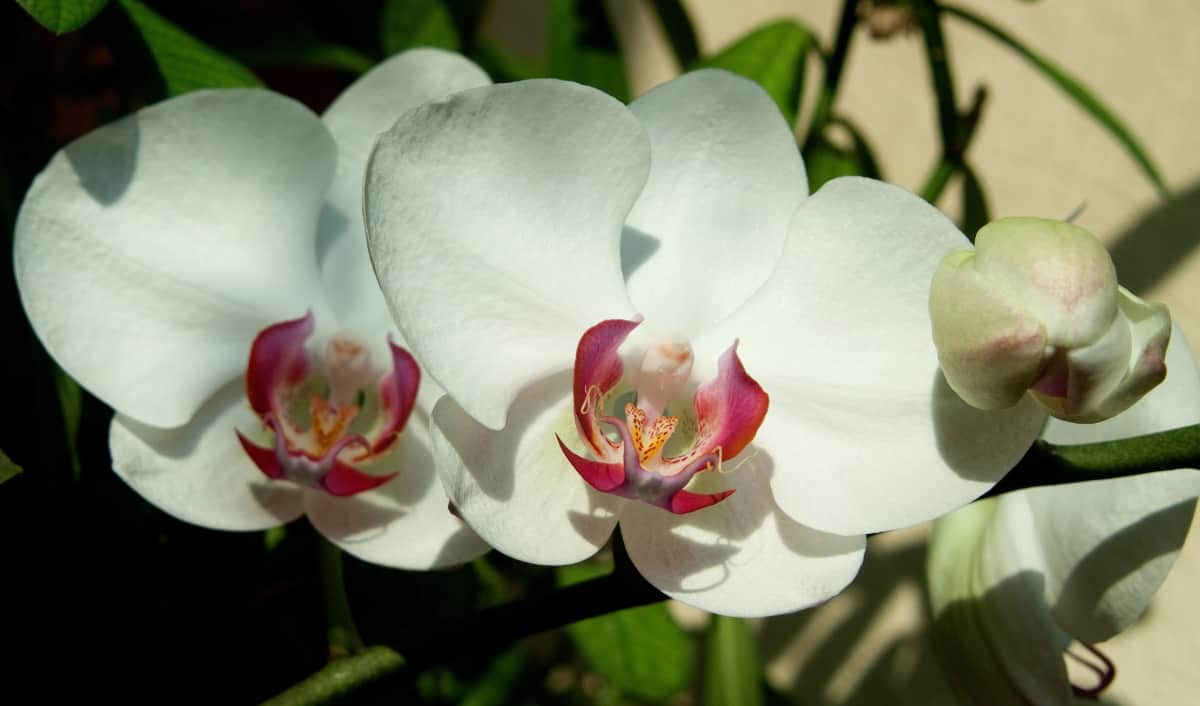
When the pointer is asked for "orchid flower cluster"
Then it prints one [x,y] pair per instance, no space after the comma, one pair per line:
[448,315]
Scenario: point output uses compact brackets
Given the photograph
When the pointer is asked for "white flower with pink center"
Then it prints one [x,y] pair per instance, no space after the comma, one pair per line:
[167,262]
[780,398]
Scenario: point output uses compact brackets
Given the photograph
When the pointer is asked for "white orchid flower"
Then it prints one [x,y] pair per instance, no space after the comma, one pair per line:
[1014,579]
[519,231]
[200,267]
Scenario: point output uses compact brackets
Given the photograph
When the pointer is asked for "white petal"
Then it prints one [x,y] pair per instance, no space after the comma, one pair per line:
[994,634]
[742,557]
[494,221]
[1174,403]
[725,179]
[199,472]
[1108,545]
[864,431]
[514,486]
[368,107]
[150,251]
[406,522]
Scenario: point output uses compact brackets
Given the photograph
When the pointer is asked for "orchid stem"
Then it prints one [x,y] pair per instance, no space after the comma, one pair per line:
[343,636]
[823,111]
[485,632]
[1052,464]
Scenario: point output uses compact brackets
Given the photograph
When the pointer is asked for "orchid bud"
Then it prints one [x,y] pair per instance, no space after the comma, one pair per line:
[1036,307]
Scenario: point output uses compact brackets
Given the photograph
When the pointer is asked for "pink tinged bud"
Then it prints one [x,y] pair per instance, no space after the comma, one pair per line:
[728,412]
[321,455]
[1036,307]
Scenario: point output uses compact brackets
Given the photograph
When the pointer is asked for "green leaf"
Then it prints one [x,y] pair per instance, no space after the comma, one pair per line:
[70,399]
[500,681]
[503,65]
[772,55]
[1074,89]
[184,62]
[975,212]
[640,650]
[293,48]
[417,23]
[826,160]
[8,469]
[732,676]
[581,47]
[60,16]
[678,27]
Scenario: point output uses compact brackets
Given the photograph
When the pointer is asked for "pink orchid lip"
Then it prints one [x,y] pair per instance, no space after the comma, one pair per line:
[322,456]
[729,411]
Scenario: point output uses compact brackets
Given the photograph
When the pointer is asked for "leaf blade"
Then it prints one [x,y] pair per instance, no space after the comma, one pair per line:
[1074,89]
[62,16]
[8,469]
[773,56]
[640,650]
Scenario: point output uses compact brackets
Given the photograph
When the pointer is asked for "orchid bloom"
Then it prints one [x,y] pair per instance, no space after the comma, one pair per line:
[639,315]
[200,266]
[1015,578]
[1036,306]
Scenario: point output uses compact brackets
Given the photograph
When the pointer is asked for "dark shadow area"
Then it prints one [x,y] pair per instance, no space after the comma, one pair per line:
[1148,250]
[636,249]
[1123,553]
[105,162]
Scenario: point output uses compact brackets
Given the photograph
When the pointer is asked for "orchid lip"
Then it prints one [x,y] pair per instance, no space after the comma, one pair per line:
[338,437]
[728,412]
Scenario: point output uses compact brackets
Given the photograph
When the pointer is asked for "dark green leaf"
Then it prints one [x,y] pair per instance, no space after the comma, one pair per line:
[8,469]
[640,650]
[294,49]
[70,399]
[732,676]
[503,65]
[61,16]
[826,160]
[975,212]
[773,56]
[581,47]
[417,23]
[391,606]
[678,27]
[184,62]
[1074,89]
[503,676]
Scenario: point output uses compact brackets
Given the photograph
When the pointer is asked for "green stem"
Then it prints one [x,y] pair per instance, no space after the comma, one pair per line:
[947,165]
[823,111]
[343,636]
[485,632]
[342,678]
[928,14]
[1052,464]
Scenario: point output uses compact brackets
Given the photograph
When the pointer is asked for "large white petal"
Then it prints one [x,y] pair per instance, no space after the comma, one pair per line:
[494,221]
[406,522]
[199,472]
[151,250]
[368,107]
[725,179]
[514,486]
[1106,546]
[864,431]
[742,557]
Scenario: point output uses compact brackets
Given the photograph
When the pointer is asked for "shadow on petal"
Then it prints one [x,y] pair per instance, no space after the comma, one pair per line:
[1124,553]
[982,445]
[105,161]
[636,249]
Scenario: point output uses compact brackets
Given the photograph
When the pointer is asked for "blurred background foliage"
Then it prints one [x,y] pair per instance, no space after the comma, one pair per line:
[118,598]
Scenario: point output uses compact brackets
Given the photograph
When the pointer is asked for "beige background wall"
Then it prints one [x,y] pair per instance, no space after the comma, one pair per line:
[1037,154]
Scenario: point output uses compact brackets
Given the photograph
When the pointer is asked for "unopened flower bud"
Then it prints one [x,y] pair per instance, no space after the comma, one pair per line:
[1036,307]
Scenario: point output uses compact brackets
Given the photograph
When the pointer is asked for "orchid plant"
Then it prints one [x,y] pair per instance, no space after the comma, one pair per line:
[678,345]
